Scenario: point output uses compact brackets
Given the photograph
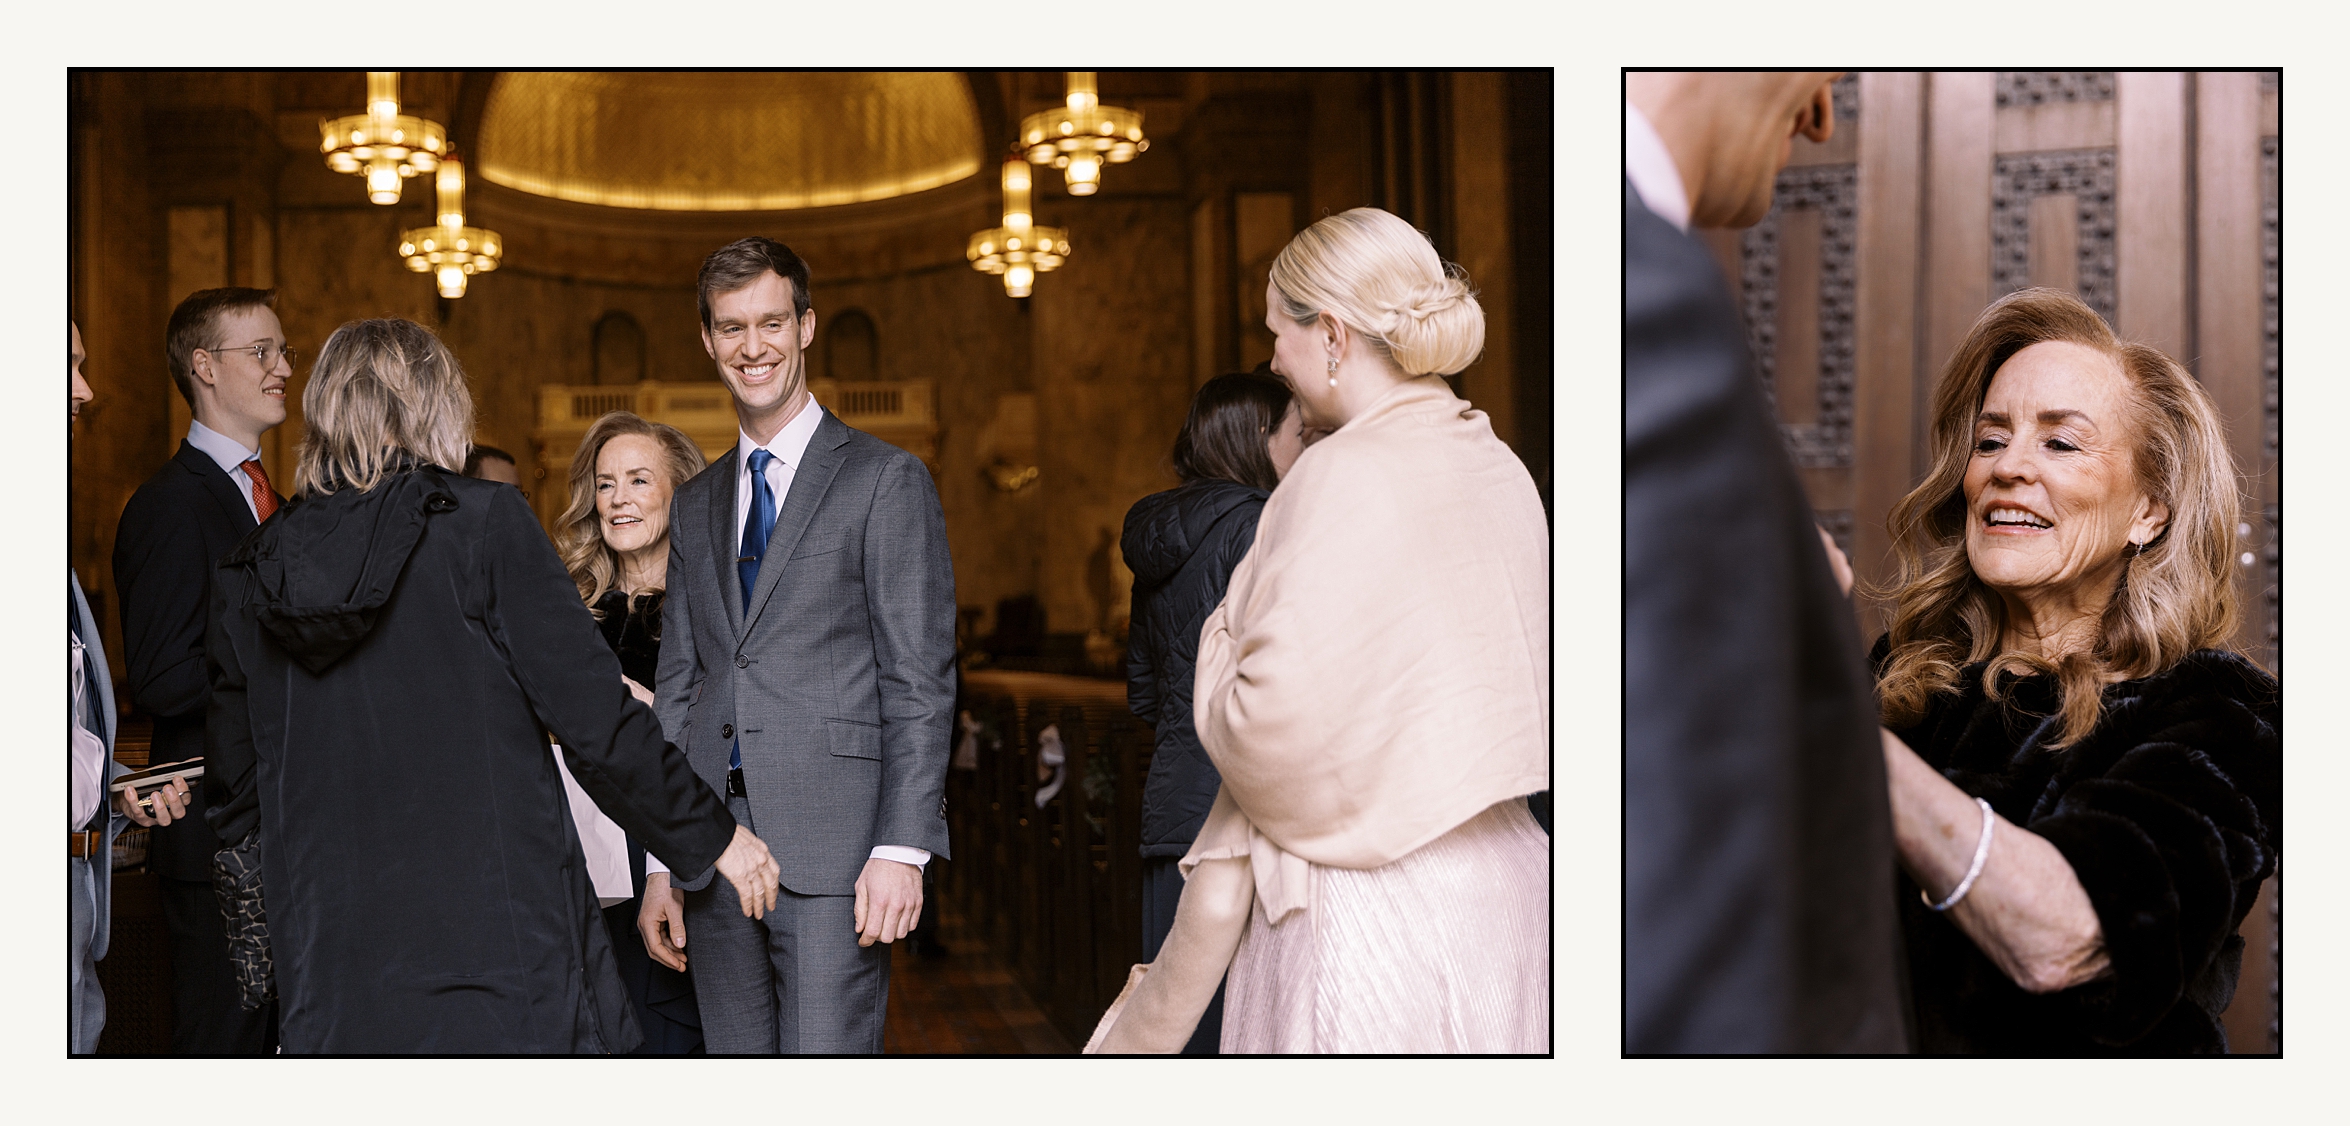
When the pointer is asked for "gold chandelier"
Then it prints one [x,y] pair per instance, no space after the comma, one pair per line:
[449,250]
[383,144]
[1019,250]
[1079,137]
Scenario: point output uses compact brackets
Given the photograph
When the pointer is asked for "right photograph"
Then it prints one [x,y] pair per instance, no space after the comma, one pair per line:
[1952,563]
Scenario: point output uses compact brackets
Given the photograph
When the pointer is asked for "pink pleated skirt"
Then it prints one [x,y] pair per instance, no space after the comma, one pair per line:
[1444,951]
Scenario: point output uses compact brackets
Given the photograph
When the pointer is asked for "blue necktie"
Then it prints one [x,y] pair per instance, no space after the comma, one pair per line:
[758,525]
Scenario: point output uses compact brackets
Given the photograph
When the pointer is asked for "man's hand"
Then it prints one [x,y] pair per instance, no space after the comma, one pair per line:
[889,901]
[643,694]
[169,802]
[748,865]
[662,904]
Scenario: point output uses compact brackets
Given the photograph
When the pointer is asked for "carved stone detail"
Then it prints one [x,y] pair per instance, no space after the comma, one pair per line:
[2040,87]
[1847,91]
[2016,179]
[1833,190]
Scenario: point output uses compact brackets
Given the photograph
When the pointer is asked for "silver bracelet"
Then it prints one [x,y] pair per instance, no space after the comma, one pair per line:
[1982,852]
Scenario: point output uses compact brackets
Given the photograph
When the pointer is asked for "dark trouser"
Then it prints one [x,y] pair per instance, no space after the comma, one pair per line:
[795,982]
[1162,889]
[206,1017]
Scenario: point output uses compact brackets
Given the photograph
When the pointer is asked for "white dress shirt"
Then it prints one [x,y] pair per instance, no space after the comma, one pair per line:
[790,447]
[232,458]
[1649,165]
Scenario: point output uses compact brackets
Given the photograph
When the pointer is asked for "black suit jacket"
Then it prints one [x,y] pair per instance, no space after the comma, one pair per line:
[1758,849]
[174,530]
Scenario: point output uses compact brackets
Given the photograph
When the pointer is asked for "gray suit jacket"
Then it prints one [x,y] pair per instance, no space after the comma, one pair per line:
[839,681]
[102,683]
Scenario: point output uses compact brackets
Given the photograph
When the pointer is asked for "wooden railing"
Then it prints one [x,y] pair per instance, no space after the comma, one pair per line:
[1055,891]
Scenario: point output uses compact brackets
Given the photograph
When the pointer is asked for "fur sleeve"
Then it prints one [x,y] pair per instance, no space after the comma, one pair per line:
[2168,816]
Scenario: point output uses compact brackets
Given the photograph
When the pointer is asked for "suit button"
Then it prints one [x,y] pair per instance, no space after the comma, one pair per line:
[741,662]
[942,807]
[726,731]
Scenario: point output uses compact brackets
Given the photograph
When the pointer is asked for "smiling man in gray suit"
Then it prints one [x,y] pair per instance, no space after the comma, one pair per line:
[807,653]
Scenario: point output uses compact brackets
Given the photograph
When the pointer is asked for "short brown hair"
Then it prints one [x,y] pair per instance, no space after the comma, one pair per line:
[197,321]
[1232,418]
[739,263]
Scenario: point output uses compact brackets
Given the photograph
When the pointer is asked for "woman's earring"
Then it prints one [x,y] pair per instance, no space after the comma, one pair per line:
[1333,372]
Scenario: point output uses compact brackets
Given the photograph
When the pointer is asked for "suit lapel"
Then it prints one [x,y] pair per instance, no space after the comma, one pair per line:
[218,485]
[101,678]
[723,533]
[818,465]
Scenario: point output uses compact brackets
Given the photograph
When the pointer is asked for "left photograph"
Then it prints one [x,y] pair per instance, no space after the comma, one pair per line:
[958,545]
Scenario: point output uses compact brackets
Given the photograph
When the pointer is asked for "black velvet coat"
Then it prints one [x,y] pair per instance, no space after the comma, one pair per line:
[666,1008]
[386,668]
[2168,813]
[1182,545]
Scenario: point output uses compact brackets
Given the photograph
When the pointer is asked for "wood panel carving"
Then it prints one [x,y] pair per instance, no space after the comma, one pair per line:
[1832,190]
[2271,402]
[2086,175]
[2040,87]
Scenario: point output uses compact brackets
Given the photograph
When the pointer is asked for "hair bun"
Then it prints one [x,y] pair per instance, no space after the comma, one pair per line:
[1435,327]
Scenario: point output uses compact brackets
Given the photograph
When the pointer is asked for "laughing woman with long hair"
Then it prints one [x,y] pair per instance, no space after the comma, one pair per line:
[2085,777]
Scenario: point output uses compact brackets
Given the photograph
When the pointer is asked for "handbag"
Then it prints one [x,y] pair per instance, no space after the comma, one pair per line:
[236,881]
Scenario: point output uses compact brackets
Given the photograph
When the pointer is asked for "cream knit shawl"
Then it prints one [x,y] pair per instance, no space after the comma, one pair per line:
[1379,670]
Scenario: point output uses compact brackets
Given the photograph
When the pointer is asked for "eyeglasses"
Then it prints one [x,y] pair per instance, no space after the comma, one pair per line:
[261,353]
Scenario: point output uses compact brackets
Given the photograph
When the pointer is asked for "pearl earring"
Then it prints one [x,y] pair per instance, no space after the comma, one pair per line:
[1333,372]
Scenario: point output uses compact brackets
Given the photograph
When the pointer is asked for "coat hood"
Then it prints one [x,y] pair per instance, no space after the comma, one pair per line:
[1165,529]
[325,564]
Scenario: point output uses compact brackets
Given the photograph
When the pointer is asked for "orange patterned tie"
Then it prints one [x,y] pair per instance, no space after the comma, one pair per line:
[264,499]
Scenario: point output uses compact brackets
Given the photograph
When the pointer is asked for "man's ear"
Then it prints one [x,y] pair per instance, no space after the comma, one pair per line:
[1819,119]
[200,364]
[807,329]
[708,345]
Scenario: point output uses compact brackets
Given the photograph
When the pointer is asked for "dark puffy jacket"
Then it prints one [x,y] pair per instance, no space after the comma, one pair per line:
[1182,545]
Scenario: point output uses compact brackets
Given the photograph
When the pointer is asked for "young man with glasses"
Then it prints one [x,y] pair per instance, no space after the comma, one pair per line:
[229,359]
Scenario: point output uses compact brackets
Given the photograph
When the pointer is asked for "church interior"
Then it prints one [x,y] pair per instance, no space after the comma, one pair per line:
[548,226]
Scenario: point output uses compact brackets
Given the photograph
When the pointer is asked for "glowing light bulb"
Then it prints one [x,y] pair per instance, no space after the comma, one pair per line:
[1085,173]
[452,281]
[383,181]
[1019,280]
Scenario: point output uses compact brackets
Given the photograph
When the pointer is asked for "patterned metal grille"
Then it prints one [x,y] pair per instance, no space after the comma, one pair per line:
[1833,190]
[2017,179]
[2040,87]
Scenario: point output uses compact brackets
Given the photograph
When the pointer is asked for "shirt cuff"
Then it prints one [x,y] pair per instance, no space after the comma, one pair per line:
[902,854]
[918,857]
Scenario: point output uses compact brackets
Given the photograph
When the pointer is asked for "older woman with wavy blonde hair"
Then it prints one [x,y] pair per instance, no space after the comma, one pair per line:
[614,540]
[2084,778]
[388,656]
[1375,692]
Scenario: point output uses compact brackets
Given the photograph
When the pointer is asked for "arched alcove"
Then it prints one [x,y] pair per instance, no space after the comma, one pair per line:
[852,348]
[619,350]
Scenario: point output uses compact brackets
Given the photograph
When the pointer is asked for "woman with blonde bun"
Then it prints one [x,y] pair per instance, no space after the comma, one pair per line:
[1374,691]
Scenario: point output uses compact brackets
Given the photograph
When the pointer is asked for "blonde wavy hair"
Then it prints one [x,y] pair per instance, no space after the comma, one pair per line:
[1381,279]
[381,390]
[2175,595]
[579,533]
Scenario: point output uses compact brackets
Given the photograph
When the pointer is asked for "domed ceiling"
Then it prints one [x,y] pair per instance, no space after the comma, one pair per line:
[728,142]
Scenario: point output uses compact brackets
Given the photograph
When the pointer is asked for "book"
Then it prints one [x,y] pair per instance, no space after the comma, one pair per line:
[159,775]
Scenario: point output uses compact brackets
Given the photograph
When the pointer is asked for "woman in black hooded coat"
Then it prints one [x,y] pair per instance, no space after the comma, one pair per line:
[388,654]
[1241,437]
